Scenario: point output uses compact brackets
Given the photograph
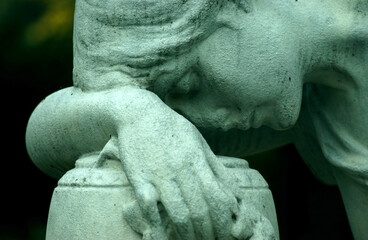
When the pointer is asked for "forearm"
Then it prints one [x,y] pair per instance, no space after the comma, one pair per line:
[69,123]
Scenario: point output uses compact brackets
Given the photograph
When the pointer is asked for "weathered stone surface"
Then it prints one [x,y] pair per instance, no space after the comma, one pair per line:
[89,202]
[163,86]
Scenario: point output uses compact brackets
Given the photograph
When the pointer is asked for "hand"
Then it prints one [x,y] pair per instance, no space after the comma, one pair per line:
[252,225]
[182,190]
[168,163]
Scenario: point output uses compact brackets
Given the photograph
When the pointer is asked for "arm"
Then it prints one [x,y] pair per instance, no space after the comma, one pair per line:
[70,123]
[67,124]
[151,139]
[164,156]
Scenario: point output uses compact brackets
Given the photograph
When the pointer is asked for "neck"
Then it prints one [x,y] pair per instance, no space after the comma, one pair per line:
[335,44]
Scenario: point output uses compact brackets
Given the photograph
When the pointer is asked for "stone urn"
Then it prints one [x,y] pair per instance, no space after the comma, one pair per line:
[88,202]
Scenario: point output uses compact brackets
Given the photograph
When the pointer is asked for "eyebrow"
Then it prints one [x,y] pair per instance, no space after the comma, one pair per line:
[243,4]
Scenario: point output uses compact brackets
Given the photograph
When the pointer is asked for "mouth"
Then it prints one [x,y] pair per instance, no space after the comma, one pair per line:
[221,118]
[242,122]
[251,120]
[280,125]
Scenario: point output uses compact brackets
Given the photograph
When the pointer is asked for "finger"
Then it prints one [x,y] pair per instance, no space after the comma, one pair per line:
[177,210]
[147,199]
[110,151]
[221,214]
[252,225]
[226,182]
[217,167]
[219,197]
[222,205]
[219,170]
[155,233]
[134,217]
[245,222]
[263,230]
[211,184]
[199,212]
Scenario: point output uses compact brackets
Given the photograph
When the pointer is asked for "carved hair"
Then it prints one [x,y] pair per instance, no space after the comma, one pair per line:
[121,42]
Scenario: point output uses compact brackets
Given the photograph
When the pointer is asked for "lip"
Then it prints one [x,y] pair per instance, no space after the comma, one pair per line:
[255,120]
[251,118]
[279,126]
[247,121]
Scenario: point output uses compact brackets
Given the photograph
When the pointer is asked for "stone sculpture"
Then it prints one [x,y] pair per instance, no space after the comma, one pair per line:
[163,86]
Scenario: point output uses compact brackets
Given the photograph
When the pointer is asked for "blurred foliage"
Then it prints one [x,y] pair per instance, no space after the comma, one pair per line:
[36,59]
[55,23]
[36,41]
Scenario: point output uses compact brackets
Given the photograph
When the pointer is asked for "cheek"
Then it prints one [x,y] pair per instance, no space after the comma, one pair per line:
[274,74]
[240,70]
[256,67]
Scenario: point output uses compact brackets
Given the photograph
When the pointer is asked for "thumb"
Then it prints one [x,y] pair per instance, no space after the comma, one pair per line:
[134,217]
[251,224]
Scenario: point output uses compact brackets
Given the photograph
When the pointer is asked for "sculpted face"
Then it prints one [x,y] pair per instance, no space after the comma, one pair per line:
[250,72]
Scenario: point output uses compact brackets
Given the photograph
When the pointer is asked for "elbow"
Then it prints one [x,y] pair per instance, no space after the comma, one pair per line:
[61,129]
[45,141]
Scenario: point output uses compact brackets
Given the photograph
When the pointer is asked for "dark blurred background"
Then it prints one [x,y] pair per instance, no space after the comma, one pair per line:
[36,60]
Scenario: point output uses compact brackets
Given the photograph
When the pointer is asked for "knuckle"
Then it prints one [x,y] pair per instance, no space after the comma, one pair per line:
[147,201]
[181,219]
[224,198]
[146,196]
[201,215]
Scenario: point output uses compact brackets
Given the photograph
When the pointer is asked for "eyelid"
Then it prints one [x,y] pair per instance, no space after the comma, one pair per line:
[229,12]
[245,5]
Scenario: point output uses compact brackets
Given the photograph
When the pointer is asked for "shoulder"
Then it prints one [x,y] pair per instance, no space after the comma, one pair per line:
[332,130]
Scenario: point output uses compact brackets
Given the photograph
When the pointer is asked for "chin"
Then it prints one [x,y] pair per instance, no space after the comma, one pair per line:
[282,125]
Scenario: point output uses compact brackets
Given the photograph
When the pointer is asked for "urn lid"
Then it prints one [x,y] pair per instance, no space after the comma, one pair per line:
[86,174]
[111,174]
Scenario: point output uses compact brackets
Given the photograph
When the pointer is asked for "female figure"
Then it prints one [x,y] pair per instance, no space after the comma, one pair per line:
[235,70]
